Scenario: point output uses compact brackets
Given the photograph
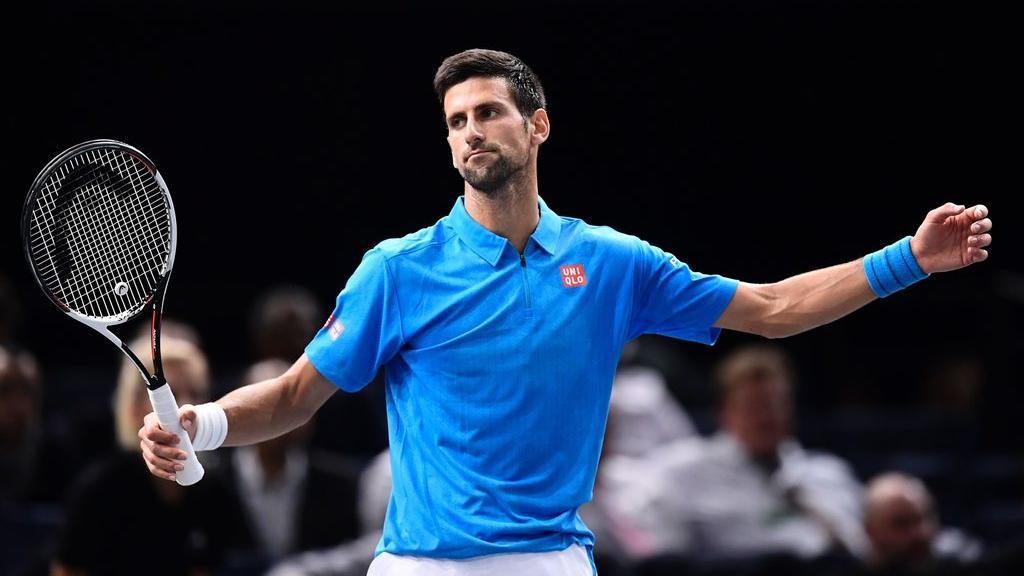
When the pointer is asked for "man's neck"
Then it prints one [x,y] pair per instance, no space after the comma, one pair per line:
[511,213]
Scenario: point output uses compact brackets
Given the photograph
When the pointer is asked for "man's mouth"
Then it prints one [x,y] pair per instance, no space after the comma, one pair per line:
[476,152]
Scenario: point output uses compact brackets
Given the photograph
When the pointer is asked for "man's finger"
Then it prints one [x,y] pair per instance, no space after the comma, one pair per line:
[158,464]
[979,241]
[187,419]
[160,473]
[155,435]
[977,254]
[983,225]
[159,436]
[978,212]
[152,431]
[164,451]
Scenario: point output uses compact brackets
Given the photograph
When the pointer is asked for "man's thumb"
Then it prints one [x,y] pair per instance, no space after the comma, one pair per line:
[187,417]
[948,209]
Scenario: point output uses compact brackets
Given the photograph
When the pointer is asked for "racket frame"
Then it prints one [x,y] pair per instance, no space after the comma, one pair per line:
[159,392]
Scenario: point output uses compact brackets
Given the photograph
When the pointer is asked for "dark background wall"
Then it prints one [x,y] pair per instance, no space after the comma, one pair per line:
[752,139]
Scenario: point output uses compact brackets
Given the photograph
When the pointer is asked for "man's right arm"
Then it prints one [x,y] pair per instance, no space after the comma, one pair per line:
[255,413]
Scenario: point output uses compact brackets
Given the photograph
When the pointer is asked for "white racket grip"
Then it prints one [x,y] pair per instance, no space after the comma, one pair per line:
[166,409]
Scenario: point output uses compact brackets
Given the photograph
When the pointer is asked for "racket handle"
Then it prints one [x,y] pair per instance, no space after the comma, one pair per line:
[166,409]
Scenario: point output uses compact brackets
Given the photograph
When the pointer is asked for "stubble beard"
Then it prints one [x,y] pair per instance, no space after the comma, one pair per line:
[498,178]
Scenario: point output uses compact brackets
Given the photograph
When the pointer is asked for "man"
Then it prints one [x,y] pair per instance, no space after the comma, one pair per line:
[294,497]
[751,490]
[500,327]
[906,537]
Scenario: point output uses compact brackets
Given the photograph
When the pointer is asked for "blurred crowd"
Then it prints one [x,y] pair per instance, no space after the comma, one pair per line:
[731,486]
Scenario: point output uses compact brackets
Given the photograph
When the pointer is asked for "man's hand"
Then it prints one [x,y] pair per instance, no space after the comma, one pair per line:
[952,237]
[159,447]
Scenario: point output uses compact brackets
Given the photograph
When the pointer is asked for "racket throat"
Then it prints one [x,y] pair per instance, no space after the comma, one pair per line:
[154,338]
[153,381]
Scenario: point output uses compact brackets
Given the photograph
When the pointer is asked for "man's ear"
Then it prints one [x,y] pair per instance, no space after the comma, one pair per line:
[541,126]
[455,163]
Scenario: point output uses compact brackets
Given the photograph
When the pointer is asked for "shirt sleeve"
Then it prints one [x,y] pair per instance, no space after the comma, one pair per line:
[365,330]
[672,300]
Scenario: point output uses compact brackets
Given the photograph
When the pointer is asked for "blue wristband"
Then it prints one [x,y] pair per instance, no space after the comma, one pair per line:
[892,268]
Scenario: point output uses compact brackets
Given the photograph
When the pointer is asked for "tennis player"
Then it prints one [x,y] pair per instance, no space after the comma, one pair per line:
[499,328]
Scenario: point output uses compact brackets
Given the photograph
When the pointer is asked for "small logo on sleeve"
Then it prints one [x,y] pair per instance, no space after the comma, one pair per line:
[336,329]
[329,320]
[574,276]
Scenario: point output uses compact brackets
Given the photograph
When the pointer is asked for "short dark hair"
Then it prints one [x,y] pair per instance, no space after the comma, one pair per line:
[477,62]
[752,363]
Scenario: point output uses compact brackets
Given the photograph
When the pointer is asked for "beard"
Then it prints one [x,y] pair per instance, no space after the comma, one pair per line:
[496,176]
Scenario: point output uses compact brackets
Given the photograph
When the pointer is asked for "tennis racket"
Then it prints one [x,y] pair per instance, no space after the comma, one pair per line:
[99,234]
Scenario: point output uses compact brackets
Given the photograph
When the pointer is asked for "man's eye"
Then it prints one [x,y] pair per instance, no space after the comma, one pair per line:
[490,113]
[457,123]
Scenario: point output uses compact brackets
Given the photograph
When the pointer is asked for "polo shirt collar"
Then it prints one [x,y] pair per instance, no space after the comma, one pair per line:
[488,245]
[548,228]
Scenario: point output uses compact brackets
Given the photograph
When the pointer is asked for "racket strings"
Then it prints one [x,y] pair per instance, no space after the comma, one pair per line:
[101,258]
[93,237]
[98,234]
[111,242]
[96,240]
[67,219]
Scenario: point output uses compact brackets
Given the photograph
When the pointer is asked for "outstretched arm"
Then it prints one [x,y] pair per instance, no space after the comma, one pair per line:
[255,413]
[268,409]
[951,237]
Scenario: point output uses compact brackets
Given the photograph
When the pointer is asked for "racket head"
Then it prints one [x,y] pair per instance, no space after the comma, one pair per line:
[99,231]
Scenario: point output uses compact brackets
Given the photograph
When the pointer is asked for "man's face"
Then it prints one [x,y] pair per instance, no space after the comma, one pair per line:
[489,138]
[757,413]
[901,530]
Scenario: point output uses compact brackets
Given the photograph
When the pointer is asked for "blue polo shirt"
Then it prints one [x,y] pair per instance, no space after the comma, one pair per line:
[499,368]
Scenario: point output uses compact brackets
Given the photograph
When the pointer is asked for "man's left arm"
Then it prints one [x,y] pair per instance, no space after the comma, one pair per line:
[951,237]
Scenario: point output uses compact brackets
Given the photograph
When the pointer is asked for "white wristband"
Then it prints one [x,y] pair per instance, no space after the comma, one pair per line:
[211,426]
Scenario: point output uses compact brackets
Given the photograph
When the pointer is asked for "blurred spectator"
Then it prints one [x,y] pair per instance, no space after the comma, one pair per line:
[646,415]
[118,512]
[751,490]
[352,558]
[905,535]
[94,429]
[294,498]
[643,416]
[282,322]
[171,328]
[32,466]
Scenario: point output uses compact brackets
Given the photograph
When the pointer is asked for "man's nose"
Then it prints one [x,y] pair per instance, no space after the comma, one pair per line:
[474,134]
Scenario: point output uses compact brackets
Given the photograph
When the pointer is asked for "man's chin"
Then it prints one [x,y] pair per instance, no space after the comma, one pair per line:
[482,183]
[491,190]
[492,179]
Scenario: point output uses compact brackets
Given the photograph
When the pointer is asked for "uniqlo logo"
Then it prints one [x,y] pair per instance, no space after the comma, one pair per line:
[574,276]
[329,320]
[336,329]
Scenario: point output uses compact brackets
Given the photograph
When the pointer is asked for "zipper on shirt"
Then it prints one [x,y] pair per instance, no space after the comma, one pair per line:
[526,283]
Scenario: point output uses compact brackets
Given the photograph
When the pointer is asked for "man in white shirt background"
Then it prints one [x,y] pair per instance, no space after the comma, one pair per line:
[751,490]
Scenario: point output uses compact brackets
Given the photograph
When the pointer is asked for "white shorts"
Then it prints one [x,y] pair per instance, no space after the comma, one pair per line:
[573,561]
